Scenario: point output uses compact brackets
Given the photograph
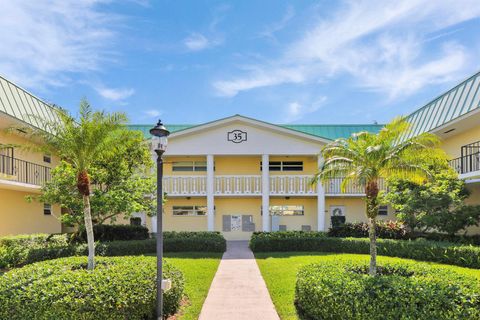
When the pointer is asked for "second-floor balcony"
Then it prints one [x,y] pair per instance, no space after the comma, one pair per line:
[251,185]
[13,169]
[469,161]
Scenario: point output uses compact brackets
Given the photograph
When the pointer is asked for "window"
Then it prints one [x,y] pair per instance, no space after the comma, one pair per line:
[383,210]
[47,158]
[284,166]
[286,210]
[47,209]
[189,166]
[189,210]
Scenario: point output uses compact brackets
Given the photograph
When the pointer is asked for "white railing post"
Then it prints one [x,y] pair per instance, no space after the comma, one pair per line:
[210,194]
[320,201]
[265,193]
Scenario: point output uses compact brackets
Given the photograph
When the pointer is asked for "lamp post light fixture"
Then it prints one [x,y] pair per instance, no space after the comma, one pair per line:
[159,143]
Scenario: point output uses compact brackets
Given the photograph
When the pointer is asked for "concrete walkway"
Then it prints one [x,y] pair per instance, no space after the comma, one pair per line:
[238,291]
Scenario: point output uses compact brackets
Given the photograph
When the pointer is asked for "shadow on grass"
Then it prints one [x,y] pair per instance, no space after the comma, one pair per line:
[287,254]
[190,255]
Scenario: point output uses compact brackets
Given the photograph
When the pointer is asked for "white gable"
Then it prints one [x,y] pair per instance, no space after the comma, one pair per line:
[242,137]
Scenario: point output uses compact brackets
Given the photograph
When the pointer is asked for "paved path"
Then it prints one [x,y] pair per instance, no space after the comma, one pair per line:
[238,291]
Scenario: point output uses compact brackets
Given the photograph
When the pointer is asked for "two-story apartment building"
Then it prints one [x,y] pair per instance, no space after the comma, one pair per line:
[23,171]
[238,175]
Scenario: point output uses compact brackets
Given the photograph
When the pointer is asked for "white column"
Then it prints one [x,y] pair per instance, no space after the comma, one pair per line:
[320,201]
[210,196]
[265,193]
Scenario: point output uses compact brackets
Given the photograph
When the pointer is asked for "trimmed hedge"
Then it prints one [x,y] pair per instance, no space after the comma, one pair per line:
[384,230]
[396,230]
[334,290]
[420,249]
[194,241]
[25,249]
[115,232]
[118,288]
[21,250]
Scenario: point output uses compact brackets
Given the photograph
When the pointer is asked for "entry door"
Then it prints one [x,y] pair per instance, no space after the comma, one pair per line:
[237,223]
[275,223]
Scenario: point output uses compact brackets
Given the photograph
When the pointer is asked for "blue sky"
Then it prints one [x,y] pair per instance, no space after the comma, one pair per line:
[278,61]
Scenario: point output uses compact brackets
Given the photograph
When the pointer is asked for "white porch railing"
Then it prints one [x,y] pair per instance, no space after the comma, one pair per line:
[185,185]
[238,185]
[291,185]
[251,185]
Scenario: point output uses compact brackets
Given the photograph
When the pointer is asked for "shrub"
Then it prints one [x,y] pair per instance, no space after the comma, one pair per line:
[194,241]
[384,230]
[118,288]
[114,232]
[333,290]
[420,249]
[24,249]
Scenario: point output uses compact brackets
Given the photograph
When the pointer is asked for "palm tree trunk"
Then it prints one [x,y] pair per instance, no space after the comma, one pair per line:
[372,212]
[373,246]
[89,229]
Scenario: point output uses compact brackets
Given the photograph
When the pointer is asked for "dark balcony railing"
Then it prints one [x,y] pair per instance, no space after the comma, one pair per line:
[469,161]
[466,164]
[24,171]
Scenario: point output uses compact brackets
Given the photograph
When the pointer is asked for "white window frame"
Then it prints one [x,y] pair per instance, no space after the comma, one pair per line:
[285,210]
[281,165]
[47,209]
[383,208]
[193,211]
[189,166]
[47,158]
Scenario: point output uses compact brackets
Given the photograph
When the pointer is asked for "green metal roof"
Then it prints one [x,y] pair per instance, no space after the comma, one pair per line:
[456,102]
[327,131]
[333,131]
[22,105]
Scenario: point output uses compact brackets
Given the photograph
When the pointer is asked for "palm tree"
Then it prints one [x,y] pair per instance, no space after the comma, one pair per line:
[366,158]
[79,142]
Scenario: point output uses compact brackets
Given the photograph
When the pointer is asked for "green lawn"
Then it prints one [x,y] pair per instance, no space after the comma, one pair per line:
[279,270]
[199,269]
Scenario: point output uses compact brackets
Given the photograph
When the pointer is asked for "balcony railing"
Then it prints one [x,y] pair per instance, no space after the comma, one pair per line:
[469,161]
[251,185]
[291,185]
[466,164]
[14,169]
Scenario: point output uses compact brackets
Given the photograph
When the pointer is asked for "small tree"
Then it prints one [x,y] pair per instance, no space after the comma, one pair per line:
[120,182]
[79,143]
[367,158]
[423,206]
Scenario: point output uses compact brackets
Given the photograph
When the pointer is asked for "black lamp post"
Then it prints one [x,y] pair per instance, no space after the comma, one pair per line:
[159,142]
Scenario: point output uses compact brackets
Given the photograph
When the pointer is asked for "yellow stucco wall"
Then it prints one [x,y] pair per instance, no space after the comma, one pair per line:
[168,163]
[296,222]
[238,206]
[24,153]
[354,209]
[18,216]
[453,144]
[183,223]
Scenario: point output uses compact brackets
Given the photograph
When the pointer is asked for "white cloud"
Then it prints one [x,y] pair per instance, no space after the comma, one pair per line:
[382,45]
[269,31]
[152,113]
[44,41]
[196,42]
[295,110]
[115,94]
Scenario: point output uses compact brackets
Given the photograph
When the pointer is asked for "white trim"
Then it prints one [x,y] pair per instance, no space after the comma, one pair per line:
[210,193]
[254,122]
[320,201]
[265,193]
